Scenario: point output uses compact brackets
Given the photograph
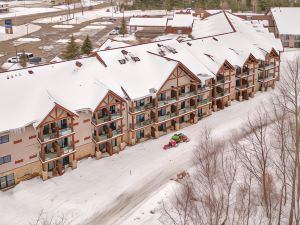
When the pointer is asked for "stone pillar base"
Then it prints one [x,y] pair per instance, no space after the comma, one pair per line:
[252,94]
[156,134]
[176,126]
[133,141]
[229,103]
[74,164]
[195,119]
[241,98]
[45,175]
[262,88]
[215,108]
[122,145]
[98,155]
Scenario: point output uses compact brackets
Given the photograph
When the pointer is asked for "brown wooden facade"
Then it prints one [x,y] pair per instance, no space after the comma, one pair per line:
[223,86]
[246,79]
[56,137]
[108,125]
[269,71]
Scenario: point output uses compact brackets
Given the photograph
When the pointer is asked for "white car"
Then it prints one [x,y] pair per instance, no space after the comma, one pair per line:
[13,59]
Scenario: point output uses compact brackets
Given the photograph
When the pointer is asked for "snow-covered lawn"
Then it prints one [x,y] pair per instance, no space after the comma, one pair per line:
[126,37]
[96,14]
[93,27]
[102,23]
[18,31]
[16,3]
[65,41]
[99,189]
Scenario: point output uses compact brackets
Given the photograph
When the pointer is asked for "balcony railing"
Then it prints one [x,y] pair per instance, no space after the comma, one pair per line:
[221,94]
[144,123]
[267,78]
[169,100]
[267,66]
[107,118]
[222,81]
[55,154]
[203,89]
[116,132]
[101,137]
[142,107]
[186,109]
[165,117]
[186,95]
[204,101]
[54,135]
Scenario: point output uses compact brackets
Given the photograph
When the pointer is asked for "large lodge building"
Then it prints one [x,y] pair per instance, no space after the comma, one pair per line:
[53,115]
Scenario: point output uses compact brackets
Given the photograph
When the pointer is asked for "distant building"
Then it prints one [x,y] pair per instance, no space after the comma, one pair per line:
[61,2]
[182,23]
[286,25]
[4,8]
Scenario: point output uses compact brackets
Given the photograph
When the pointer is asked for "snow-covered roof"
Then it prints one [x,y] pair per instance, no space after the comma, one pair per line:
[181,20]
[136,77]
[148,22]
[56,59]
[287,19]
[214,11]
[110,44]
[212,25]
[33,92]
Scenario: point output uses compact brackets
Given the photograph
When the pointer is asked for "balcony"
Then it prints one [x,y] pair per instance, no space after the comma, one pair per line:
[268,66]
[142,107]
[221,94]
[204,101]
[267,78]
[167,101]
[144,123]
[186,95]
[54,134]
[186,110]
[107,118]
[56,154]
[223,81]
[100,138]
[203,89]
[116,132]
[166,117]
[244,86]
[246,73]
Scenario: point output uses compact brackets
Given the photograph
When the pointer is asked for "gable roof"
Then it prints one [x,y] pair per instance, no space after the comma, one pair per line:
[148,22]
[287,19]
[33,92]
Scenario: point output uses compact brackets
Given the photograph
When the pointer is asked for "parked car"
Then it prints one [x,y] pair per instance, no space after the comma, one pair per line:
[114,32]
[28,54]
[117,28]
[35,60]
[13,59]
[112,19]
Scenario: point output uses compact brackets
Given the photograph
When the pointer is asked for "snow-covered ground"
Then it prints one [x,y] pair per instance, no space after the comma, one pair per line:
[18,31]
[99,188]
[24,11]
[96,14]
[126,37]
[17,3]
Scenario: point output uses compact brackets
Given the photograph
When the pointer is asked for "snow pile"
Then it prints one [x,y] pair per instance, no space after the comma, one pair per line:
[126,37]
[92,27]
[26,40]
[24,11]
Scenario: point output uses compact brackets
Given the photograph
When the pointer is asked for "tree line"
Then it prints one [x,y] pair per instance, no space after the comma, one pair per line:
[235,5]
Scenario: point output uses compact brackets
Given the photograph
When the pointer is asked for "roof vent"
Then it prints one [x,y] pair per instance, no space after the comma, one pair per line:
[30,71]
[124,52]
[78,64]
[189,44]
[215,39]
[122,61]
[133,57]
[173,50]
[161,52]
[152,90]
[159,45]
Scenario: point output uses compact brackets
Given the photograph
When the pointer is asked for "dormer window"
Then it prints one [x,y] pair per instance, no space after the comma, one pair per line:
[136,59]
[122,61]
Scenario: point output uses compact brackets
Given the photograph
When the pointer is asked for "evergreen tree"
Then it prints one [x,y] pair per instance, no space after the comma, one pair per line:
[123,27]
[23,59]
[72,50]
[87,46]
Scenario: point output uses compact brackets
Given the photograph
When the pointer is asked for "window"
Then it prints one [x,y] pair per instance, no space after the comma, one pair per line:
[5,159]
[4,139]
[182,105]
[113,125]
[62,124]
[140,118]
[182,90]
[161,112]
[181,119]
[161,127]
[161,97]
[7,181]
[112,109]
[140,134]
[140,102]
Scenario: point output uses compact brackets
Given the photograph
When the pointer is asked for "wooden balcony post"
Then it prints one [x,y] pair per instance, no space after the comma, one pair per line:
[43,152]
